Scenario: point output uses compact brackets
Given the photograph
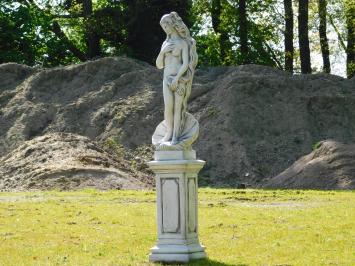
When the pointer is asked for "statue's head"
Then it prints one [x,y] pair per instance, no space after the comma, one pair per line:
[167,24]
[172,22]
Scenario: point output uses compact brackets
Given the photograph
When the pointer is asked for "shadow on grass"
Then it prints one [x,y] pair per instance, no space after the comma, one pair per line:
[205,262]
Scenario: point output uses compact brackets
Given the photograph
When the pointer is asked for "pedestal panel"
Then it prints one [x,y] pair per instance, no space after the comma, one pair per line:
[170,205]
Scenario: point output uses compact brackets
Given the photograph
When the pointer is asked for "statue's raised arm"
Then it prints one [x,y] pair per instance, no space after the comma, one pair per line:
[178,57]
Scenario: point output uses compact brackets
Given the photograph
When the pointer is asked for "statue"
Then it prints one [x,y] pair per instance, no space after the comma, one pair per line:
[175,164]
[178,57]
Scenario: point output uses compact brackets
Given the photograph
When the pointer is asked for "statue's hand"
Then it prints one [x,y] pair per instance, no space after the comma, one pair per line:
[168,48]
[174,84]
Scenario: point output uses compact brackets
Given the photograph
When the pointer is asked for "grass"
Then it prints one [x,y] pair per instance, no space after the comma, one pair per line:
[238,227]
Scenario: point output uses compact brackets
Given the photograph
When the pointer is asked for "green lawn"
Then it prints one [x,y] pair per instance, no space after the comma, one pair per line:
[238,227]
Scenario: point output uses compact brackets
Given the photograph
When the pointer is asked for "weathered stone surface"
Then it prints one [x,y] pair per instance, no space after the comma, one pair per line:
[178,58]
[187,137]
[177,209]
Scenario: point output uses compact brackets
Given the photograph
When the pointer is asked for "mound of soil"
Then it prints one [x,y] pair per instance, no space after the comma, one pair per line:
[63,161]
[330,166]
[255,121]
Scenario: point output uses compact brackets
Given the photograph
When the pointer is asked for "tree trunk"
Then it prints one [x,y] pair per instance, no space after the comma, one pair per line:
[340,37]
[243,31]
[350,49]
[71,47]
[223,38]
[303,36]
[92,38]
[322,10]
[288,35]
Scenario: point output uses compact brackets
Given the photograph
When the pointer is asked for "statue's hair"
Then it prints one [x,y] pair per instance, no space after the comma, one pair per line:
[184,33]
[186,79]
[178,24]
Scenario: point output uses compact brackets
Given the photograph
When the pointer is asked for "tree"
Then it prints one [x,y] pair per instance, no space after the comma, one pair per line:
[60,32]
[89,25]
[223,38]
[262,38]
[322,10]
[26,36]
[288,35]
[87,29]
[303,37]
[243,31]
[350,48]
[92,37]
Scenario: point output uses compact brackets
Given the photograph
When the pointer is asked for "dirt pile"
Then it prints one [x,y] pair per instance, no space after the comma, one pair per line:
[63,161]
[255,121]
[330,166]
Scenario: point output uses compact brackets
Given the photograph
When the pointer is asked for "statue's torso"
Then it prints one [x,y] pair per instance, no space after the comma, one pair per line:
[173,59]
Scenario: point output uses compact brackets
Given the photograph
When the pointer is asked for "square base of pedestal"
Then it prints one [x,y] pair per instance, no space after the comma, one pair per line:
[177,253]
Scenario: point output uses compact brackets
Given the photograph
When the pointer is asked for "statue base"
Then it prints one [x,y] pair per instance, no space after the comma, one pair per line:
[176,186]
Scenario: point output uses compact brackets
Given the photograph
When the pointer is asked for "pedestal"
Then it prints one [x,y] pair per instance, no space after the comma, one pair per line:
[176,186]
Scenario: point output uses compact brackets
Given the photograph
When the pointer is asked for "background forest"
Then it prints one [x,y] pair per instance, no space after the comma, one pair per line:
[298,36]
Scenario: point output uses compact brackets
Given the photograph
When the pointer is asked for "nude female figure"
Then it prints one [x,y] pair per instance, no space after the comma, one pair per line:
[178,57]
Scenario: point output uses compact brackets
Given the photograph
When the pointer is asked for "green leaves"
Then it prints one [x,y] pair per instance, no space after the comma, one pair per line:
[263,37]
[25,36]
[131,27]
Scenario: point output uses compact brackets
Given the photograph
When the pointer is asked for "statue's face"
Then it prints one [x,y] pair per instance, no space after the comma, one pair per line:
[166,24]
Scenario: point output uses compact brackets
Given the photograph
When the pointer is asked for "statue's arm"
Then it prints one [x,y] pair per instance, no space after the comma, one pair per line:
[160,59]
[185,60]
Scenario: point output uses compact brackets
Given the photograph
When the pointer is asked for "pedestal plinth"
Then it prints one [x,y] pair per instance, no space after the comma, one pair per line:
[176,186]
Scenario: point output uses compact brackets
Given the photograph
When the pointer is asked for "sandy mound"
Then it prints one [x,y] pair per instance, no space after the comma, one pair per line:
[330,166]
[255,121]
[63,161]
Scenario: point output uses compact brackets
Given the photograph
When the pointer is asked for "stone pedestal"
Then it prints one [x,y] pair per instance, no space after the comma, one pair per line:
[176,186]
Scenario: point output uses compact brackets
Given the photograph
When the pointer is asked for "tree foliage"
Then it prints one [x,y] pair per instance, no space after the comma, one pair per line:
[25,37]
[255,45]
[228,32]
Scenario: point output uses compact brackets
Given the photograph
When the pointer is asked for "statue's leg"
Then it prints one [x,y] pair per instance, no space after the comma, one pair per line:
[177,117]
[168,111]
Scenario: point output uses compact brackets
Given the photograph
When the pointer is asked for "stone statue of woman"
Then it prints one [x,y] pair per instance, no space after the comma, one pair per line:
[178,57]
